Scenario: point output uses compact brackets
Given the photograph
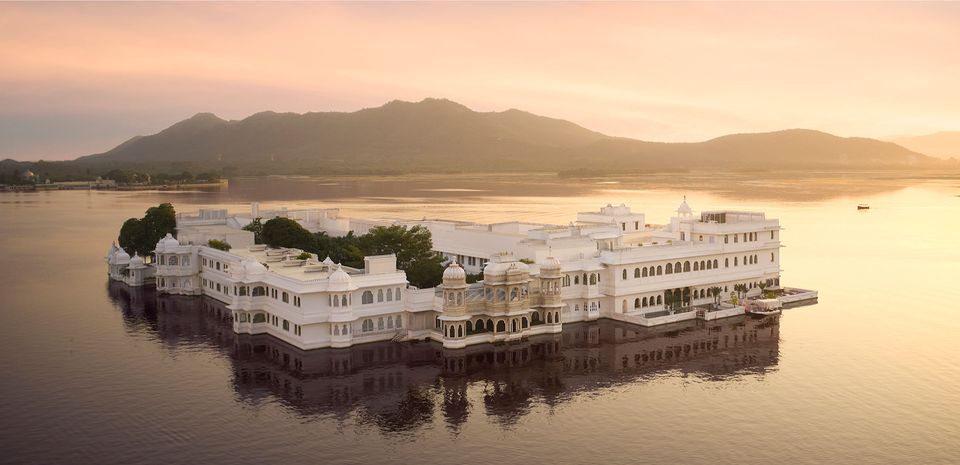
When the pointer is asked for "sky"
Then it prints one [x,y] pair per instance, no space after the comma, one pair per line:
[80,78]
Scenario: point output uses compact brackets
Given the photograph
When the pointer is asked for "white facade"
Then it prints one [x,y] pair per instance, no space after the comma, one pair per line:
[607,264]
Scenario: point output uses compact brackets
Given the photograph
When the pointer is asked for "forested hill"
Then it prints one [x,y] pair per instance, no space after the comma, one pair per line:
[436,135]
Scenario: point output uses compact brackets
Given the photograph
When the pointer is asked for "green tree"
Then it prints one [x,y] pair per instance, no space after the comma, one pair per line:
[158,221]
[256,227]
[413,248]
[219,245]
[133,237]
[284,232]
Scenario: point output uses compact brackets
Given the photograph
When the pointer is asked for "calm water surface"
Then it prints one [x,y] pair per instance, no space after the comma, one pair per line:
[99,373]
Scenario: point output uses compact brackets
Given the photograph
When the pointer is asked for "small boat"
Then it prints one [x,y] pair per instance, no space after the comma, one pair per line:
[863,206]
[764,307]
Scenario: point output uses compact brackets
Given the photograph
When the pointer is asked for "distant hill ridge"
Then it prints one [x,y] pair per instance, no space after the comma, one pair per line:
[442,135]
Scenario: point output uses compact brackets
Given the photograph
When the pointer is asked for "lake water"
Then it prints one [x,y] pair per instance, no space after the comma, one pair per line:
[100,373]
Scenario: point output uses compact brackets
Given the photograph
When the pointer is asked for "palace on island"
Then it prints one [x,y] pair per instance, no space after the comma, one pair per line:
[609,263]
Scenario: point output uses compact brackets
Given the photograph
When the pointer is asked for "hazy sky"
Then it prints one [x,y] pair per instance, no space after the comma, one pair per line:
[79,78]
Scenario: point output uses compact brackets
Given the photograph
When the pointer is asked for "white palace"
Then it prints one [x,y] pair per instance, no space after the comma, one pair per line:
[606,264]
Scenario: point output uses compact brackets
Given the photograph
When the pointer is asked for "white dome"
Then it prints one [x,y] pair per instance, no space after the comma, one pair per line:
[122,257]
[684,208]
[340,281]
[168,242]
[136,261]
[254,268]
[520,266]
[550,263]
[454,272]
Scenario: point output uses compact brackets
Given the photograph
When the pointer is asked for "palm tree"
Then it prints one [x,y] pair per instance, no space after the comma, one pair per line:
[715,292]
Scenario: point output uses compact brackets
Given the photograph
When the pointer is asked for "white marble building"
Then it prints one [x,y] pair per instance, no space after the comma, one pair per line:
[607,264]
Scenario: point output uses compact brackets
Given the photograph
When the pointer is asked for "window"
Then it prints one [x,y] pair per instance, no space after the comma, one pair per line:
[593,279]
[644,273]
[726,263]
[576,279]
[366,298]
[624,273]
[636,225]
[726,239]
[380,295]
[389,295]
[771,256]
[735,237]
[398,322]
[636,302]
[636,272]
[686,266]
[669,268]
[389,323]
[659,270]
[286,298]
[380,324]
[368,325]
[286,325]
[683,236]
[771,234]
[623,226]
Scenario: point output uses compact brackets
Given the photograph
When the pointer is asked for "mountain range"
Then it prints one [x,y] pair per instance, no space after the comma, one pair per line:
[439,135]
[944,144]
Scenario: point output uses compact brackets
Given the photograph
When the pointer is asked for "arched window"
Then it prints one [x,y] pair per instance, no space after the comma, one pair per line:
[367,325]
[593,279]
[659,270]
[549,317]
[716,263]
[726,263]
[771,256]
[696,266]
[686,266]
[501,326]
[380,324]
[676,268]
[343,300]
[389,295]
[389,323]
[513,325]
[259,291]
[566,280]
[644,272]
[398,322]
[644,302]
[624,273]
[396,294]
[336,330]
[636,302]
[259,318]
[708,265]
[659,299]
[556,317]
[523,322]
[469,327]
[379,295]
[286,298]
[366,297]
[479,326]
[669,268]
[172,261]
[636,272]
[576,280]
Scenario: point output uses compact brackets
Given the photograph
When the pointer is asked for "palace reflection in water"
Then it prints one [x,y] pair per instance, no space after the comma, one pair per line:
[399,387]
